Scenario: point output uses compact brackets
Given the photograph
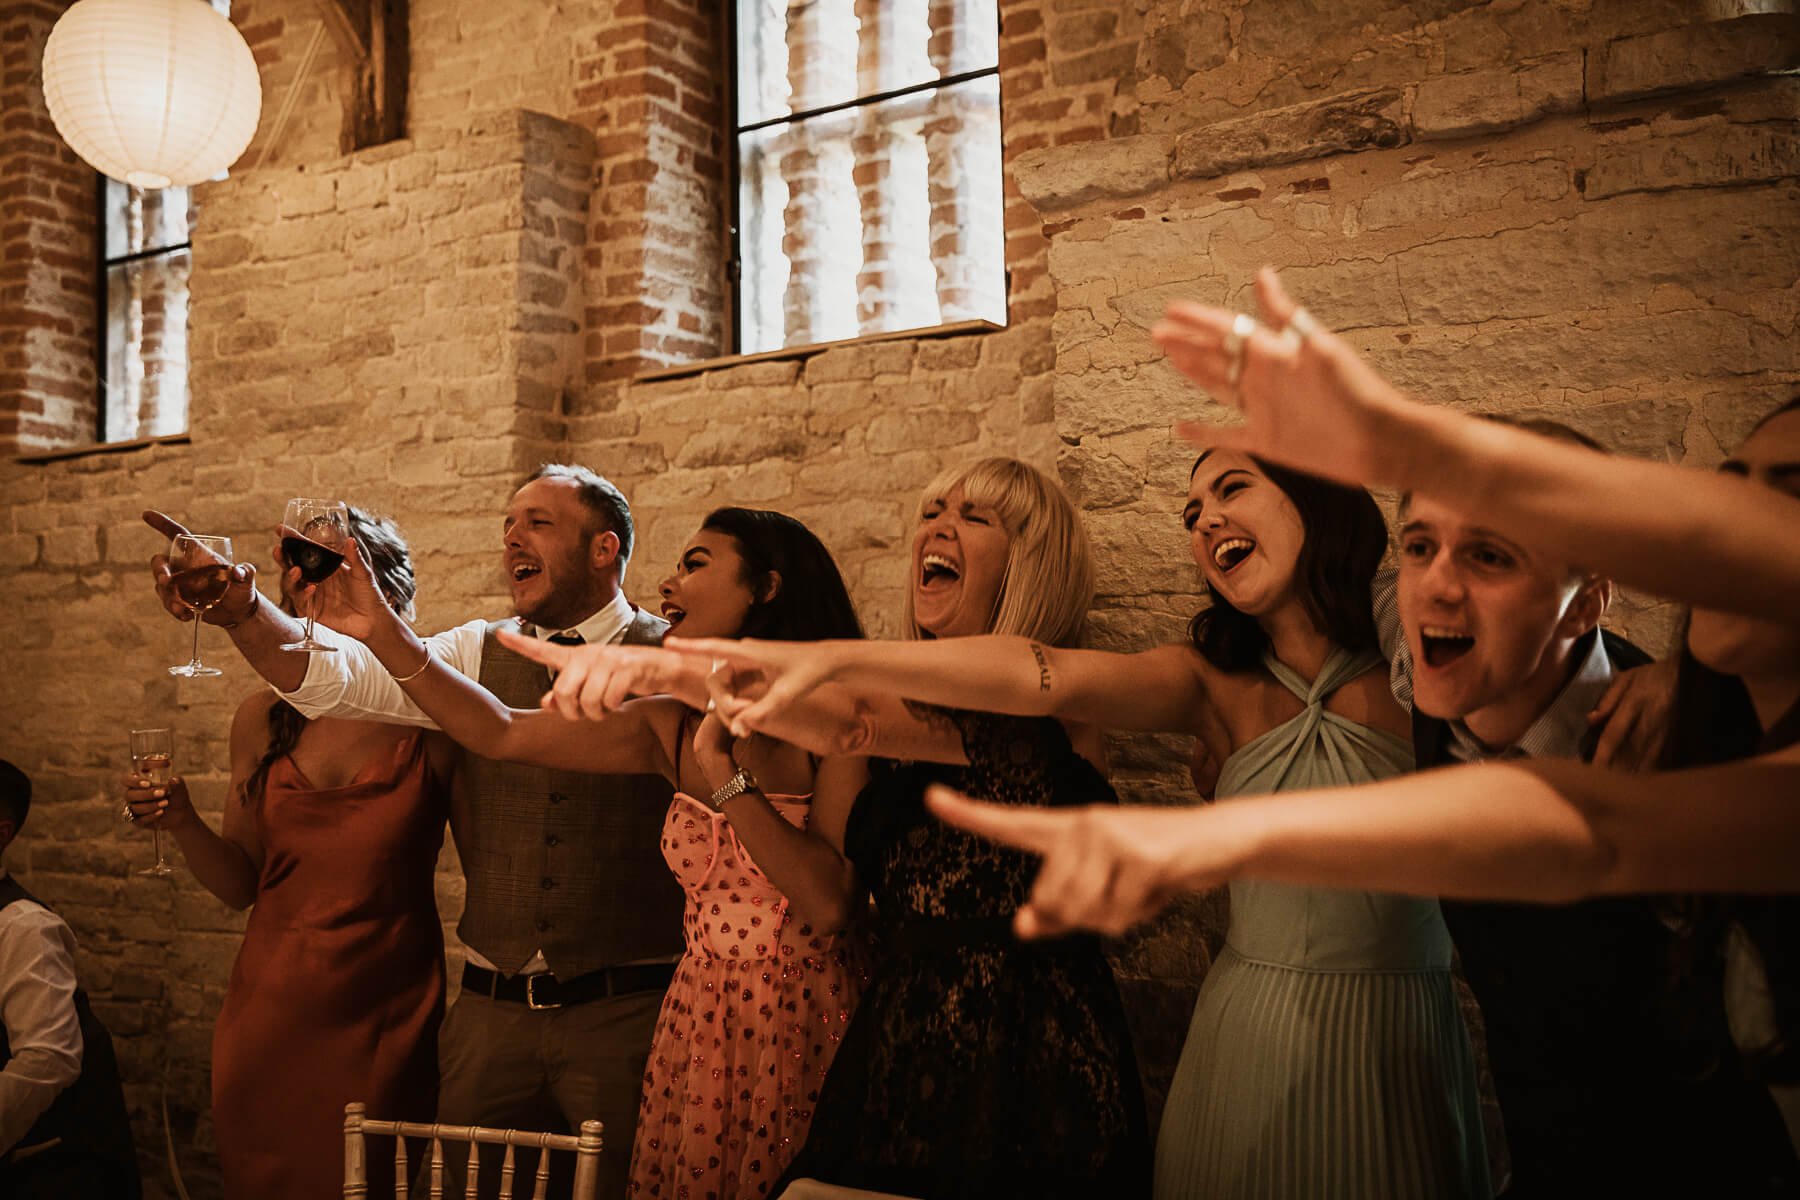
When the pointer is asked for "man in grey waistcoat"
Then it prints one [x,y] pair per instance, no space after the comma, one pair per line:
[572,922]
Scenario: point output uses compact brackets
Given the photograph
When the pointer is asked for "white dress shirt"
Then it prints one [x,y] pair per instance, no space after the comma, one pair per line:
[352,684]
[37,1003]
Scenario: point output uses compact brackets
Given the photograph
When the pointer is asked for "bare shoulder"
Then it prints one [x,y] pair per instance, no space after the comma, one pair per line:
[250,724]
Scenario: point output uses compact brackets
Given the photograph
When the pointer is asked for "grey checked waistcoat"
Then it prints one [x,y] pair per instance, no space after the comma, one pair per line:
[561,861]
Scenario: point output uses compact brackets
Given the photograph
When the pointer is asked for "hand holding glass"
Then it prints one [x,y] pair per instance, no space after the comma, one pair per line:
[200,570]
[315,544]
[153,758]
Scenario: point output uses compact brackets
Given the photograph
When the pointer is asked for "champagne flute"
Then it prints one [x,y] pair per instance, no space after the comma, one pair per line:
[200,567]
[153,757]
[315,543]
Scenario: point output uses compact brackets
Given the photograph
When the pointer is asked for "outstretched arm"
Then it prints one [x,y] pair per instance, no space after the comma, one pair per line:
[630,740]
[1546,831]
[1160,689]
[1311,402]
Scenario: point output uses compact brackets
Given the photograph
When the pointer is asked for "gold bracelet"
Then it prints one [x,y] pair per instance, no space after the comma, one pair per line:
[422,666]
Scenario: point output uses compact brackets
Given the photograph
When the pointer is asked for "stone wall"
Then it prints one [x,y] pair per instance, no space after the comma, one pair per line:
[47,252]
[1584,207]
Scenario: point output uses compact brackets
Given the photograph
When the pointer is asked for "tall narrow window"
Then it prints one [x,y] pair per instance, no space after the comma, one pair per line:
[867,152]
[144,312]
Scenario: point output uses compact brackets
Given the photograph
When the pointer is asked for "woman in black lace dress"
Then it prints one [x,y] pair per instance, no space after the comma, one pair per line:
[976,1065]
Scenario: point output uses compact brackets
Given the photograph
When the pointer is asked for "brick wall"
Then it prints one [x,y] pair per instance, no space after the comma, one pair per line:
[46,252]
[1582,209]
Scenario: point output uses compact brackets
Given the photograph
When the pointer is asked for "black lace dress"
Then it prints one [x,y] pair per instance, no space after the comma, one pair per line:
[976,1065]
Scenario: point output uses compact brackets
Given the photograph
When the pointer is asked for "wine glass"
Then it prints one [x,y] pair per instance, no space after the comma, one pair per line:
[200,568]
[315,543]
[153,758]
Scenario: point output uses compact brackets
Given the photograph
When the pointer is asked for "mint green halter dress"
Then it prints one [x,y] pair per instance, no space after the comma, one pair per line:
[1327,1055]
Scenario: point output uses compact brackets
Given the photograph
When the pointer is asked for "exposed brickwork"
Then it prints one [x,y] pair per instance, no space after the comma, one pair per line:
[47,252]
[1581,209]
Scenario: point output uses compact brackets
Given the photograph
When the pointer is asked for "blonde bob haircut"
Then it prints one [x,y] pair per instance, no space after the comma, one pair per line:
[1048,583]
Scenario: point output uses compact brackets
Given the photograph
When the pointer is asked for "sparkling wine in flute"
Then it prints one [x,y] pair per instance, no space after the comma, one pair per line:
[154,767]
[200,570]
[320,535]
[152,756]
[316,563]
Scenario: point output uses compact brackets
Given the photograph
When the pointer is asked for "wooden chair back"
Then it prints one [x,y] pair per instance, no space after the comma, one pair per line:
[358,1125]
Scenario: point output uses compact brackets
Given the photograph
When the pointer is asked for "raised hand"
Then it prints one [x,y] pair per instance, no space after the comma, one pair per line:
[1309,401]
[593,680]
[240,595]
[1634,717]
[1105,867]
[163,806]
[348,600]
[763,680]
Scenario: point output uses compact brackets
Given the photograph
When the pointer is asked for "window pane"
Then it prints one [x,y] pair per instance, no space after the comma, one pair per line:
[137,220]
[809,54]
[873,219]
[145,381]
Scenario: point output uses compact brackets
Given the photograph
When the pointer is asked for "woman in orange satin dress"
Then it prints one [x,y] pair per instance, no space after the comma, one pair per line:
[331,831]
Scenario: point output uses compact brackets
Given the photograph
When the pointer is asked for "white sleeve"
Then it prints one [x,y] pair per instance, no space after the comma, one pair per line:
[352,683]
[1384,597]
[37,1003]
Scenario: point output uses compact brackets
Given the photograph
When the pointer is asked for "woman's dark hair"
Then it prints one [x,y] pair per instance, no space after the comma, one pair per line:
[1345,538]
[810,603]
[1714,721]
[380,539]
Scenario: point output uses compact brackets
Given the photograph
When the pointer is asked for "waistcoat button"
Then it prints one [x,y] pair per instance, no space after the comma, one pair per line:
[551,840]
[548,883]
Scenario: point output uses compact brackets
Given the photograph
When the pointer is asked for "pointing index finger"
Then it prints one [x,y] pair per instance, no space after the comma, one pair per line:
[538,650]
[163,523]
[1027,829]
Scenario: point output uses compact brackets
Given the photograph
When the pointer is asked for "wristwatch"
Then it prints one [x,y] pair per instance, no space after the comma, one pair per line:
[737,785]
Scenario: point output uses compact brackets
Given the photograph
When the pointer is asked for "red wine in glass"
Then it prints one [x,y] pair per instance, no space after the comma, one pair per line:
[316,563]
[200,569]
[316,545]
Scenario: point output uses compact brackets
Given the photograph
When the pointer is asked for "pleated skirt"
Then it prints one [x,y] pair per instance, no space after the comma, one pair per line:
[1300,1083]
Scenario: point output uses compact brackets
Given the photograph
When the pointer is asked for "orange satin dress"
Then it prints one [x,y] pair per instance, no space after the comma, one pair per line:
[338,989]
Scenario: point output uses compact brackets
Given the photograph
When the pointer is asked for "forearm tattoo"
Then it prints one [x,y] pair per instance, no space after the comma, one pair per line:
[1043,663]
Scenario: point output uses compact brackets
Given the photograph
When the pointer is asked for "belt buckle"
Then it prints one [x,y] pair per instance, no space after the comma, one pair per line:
[531,1000]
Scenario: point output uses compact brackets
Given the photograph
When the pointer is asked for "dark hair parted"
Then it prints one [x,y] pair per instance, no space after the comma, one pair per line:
[810,602]
[15,795]
[1345,538]
[388,555]
[604,502]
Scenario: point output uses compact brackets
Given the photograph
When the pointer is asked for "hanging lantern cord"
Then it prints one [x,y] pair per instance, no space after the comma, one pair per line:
[293,95]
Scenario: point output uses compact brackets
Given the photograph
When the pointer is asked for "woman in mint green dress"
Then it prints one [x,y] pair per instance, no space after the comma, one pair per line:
[1327,1055]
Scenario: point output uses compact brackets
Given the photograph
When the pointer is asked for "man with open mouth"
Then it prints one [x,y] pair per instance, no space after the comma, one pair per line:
[572,922]
[1594,1056]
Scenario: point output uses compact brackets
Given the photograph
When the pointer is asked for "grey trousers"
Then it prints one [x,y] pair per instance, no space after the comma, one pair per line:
[505,1065]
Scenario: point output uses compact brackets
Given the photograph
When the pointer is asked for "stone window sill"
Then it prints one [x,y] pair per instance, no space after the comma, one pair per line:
[680,370]
[48,456]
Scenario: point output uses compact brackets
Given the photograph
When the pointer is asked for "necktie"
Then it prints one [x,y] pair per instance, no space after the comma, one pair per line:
[567,639]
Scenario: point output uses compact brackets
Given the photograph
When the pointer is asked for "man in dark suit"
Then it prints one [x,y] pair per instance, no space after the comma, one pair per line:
[1615,1073]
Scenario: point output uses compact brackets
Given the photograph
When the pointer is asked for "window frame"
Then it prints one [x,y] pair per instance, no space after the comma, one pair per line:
[734,264]
[104,264]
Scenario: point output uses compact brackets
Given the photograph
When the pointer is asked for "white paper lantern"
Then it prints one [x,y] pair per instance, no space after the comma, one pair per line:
[153,92]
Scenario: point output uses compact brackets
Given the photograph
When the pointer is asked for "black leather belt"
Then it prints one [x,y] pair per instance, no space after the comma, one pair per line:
[545,990]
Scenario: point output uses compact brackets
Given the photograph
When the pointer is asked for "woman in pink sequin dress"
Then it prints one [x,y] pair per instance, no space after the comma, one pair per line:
[776,958]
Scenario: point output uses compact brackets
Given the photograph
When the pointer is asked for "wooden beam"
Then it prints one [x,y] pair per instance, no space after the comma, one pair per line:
[373,37]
